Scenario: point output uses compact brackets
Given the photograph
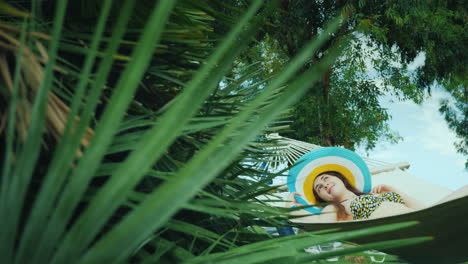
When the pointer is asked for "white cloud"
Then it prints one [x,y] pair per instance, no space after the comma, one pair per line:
[417,62]
[434,132]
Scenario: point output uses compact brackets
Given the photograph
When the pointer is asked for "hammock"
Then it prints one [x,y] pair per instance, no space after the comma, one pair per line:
[446,223]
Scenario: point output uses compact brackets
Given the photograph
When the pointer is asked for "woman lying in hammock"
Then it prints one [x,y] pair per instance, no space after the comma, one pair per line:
[344,202]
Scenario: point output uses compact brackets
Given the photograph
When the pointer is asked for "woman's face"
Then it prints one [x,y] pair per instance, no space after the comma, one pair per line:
[329,187]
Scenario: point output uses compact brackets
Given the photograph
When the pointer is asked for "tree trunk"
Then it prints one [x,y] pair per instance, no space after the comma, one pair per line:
[327,137]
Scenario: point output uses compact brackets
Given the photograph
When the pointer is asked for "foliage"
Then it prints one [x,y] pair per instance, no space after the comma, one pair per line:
[456,115]
[385,39]
[349,113]
[437,28]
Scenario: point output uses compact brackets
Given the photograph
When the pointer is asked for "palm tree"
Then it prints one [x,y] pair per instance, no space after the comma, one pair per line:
[124,140]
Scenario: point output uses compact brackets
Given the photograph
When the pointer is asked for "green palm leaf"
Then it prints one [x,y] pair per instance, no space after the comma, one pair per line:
[14,194]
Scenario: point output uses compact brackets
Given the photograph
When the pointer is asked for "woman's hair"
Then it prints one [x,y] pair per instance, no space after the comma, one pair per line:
[340,210]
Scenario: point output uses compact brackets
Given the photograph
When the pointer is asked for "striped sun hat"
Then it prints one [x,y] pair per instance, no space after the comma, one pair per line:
[308,167]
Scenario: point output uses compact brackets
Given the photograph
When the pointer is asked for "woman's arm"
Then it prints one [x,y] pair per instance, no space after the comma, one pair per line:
[408,200]
[328,213]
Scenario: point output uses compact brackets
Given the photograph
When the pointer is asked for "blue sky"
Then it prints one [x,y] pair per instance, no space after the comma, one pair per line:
[428,143]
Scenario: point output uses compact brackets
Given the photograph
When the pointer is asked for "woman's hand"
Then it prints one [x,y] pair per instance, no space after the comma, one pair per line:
[292,198]
[382,188]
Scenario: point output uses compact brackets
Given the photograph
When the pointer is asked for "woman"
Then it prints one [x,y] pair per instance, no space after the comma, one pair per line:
[344,202]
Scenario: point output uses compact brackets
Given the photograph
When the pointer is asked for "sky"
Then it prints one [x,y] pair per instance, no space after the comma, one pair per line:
[428,143]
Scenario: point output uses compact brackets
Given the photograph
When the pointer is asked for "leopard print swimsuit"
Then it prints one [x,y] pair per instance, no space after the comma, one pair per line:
[363,206]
